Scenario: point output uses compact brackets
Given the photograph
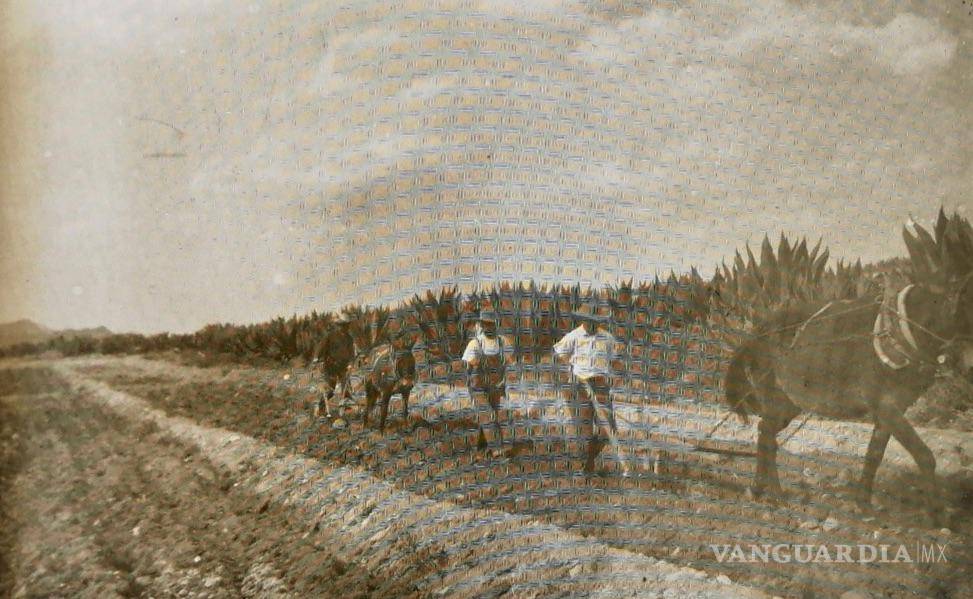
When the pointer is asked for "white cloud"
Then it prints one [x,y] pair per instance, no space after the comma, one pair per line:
[771,35]
[908,44]
[654,34]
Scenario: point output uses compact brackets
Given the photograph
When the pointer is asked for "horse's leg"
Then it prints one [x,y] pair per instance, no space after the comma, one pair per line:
[774,418]
[766,479]
[370,395]
[405,391]
[386,397]
[323,400]
[502,398]
[318,402]
[873,458]
[327,402]
[776,412]
[420,421]
[891,418]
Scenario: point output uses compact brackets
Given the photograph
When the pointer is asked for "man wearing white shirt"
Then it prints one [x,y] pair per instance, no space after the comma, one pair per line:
[486,357]
[591,349]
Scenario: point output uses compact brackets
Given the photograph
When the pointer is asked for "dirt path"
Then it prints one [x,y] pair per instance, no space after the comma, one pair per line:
[106,497]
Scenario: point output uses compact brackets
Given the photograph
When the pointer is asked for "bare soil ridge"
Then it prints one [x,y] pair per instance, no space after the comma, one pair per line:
[318,511]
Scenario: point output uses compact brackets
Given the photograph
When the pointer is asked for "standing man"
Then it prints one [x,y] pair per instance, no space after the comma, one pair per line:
[591,349]
[486,357]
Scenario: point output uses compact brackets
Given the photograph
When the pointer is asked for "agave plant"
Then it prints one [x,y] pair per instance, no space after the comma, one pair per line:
[793,274]
[438,321]
[368,325]
[943,255]
[281,338]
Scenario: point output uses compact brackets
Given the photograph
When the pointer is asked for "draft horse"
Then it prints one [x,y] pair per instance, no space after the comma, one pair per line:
[866,358]
[332,357]
[380,373]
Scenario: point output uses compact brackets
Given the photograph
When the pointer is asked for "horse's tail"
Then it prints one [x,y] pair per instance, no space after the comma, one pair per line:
[738,386]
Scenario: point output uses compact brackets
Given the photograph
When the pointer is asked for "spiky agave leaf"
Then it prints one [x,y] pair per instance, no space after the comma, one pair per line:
[817,267]
[755,289]
[785,255]
[958,246]
[942,222]
[943,255]
[769,269]
[438,322]
[959,241]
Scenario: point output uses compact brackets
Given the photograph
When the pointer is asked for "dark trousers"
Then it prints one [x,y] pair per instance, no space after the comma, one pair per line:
[594,417]
[493,394]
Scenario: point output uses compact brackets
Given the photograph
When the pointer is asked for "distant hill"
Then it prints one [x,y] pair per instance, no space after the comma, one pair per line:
[22,331]
[95,333]
[28,331]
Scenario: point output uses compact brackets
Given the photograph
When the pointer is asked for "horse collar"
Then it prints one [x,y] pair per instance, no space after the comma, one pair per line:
[904,318]
[895,351]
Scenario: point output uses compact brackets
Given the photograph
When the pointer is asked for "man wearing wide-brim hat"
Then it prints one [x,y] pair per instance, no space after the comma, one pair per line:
[486,357]
[591,349]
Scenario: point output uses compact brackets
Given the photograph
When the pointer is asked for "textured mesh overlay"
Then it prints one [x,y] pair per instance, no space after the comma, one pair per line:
[465,146]
[470,145]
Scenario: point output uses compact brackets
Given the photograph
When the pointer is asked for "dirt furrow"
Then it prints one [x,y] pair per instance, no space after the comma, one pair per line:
[104,507]
[332,508]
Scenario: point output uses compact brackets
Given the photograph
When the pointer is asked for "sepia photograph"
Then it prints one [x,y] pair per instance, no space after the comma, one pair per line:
[507,299]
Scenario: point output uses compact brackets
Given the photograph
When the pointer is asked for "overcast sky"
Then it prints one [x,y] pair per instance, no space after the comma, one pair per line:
[168,164]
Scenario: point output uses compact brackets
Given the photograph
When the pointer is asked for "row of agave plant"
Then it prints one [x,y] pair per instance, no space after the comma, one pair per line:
[740,294]
[536,315]
[944,254]
[754,288]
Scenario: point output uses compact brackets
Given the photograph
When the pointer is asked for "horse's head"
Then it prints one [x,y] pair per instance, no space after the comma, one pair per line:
[962,301]
[957,355]
[948,322]
[950,306]
[960,349]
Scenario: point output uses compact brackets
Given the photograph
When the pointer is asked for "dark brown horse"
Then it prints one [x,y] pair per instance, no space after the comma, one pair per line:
[825,359]
[380,373]
[331,358]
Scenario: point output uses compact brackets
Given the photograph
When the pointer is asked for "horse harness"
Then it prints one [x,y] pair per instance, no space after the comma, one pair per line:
[893,340]
[387,374]
[892,337]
